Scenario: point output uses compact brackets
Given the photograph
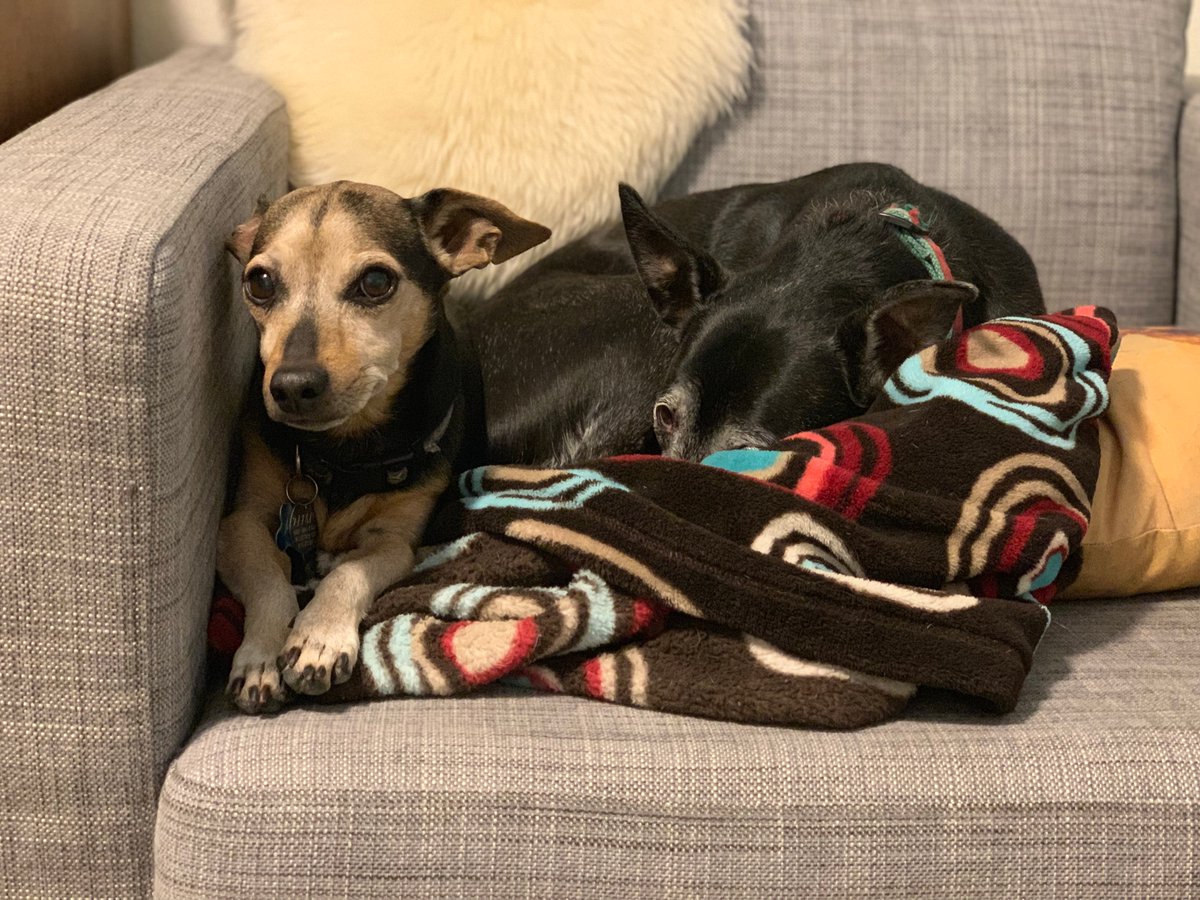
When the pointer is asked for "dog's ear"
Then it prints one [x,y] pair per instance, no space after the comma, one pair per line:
[242,238]
[910,317]
[465,231]
[677,276]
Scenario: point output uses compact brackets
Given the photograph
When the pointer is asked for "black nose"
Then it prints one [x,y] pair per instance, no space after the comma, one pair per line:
[299,389]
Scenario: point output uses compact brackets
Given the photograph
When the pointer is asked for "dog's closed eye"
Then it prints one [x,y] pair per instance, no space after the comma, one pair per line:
[664,417]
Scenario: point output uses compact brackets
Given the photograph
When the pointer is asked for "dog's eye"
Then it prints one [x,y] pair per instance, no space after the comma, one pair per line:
[377,283]
[260,286]
[664,417]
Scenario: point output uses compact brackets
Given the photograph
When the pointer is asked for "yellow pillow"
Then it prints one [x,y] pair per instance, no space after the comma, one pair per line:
[1145,529]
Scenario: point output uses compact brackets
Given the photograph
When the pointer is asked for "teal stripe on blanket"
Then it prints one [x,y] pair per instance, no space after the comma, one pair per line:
[575,488]
[399,649]
[912,384]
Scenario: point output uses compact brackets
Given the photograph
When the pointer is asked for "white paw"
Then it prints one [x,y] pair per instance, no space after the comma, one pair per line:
[254,683]
[320,651]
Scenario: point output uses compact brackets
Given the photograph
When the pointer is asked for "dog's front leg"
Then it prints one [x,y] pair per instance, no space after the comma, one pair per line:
[323,646]
[376,536]
[254,569]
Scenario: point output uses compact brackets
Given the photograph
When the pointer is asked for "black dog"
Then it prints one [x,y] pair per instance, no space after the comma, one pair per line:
[772,308]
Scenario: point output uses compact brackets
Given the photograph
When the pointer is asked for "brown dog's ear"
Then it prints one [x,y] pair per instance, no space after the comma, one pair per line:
[911,316]
[242,239]
[465,231]
[677,276]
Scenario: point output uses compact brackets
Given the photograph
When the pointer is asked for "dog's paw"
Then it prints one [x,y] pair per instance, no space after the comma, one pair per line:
[318,654]
[255,685]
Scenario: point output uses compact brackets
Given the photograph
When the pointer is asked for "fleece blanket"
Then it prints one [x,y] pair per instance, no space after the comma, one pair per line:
[818,582]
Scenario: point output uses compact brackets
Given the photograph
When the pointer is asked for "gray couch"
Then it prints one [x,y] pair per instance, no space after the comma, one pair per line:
[124,352]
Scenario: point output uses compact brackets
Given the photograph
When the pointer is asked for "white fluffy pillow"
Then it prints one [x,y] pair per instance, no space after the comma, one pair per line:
[543,105]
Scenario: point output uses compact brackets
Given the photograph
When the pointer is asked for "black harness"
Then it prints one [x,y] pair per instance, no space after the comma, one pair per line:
[424,424]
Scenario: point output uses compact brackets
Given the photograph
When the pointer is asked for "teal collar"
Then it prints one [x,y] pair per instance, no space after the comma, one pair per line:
[914,234]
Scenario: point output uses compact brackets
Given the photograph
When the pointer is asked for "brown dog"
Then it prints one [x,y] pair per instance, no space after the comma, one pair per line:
[347,446]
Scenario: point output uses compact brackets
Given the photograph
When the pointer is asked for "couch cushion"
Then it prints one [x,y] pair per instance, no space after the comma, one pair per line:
[1089,788]
[1057,118]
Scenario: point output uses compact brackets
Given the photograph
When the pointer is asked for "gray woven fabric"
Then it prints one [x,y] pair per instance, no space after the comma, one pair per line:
[1088,789]
[1188,311]
[121,369]
[1057,117]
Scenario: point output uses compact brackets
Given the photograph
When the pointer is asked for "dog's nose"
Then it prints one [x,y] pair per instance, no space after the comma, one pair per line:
[298,389]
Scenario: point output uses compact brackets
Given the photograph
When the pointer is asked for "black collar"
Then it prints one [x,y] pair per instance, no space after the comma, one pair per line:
[424,424]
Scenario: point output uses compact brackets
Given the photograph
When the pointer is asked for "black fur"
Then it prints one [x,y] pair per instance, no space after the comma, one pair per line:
[750,312]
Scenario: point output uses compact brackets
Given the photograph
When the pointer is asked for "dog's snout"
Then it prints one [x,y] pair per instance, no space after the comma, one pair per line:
[298,389]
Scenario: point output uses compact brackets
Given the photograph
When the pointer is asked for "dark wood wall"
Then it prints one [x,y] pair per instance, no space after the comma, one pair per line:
[53,51]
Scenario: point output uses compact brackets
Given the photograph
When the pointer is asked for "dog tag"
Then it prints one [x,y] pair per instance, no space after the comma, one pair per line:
[297,532]
[297,537]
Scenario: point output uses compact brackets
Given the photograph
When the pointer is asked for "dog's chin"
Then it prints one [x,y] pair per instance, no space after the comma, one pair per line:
[311,424]
[692,450]
[323,422]
[678,451]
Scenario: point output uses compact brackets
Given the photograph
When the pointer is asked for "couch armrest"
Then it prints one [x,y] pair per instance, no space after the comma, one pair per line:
[124,353]
[1187,308]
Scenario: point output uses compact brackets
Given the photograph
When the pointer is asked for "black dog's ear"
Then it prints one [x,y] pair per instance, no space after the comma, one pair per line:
[465,231]
[242,240]
[676,275]
[911,316]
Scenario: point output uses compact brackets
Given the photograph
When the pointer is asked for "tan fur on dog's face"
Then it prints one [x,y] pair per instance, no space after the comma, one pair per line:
[317,243]
[316,249]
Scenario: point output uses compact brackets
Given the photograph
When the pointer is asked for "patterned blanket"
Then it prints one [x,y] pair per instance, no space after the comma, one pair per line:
[815,583]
